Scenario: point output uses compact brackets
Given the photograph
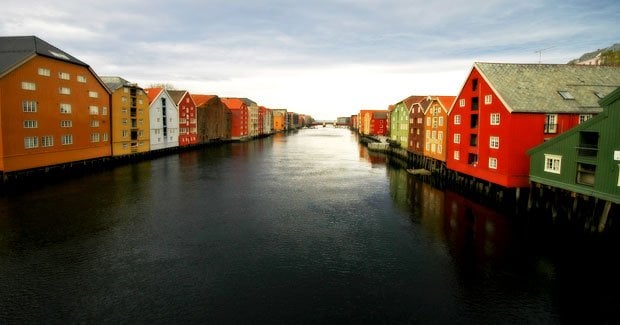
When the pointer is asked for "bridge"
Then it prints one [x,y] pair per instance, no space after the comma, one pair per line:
[327,122]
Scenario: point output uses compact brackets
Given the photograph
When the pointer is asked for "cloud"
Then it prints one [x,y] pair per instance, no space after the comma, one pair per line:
[315,57]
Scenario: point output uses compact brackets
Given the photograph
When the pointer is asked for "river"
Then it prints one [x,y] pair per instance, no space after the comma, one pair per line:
[307,227]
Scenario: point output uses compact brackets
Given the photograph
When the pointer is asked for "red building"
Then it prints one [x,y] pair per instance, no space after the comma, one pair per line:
[503,110]
[188,131]
[373,122]
[239,116]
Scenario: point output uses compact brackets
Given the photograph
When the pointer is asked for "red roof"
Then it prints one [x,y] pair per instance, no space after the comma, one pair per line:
[153,93]
[446,101]
[202,99]
[233,103]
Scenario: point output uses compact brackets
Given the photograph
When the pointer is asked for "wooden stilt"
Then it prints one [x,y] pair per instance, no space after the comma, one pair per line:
[603,219]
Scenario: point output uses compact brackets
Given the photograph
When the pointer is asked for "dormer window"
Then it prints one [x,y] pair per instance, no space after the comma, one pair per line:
[566,94]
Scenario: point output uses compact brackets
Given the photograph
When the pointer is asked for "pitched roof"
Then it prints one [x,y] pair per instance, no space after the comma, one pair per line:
[536,87]
[152,93]
[177,95]
[14,50]
[202,99]
[233,103]
[113,83]
[445,101]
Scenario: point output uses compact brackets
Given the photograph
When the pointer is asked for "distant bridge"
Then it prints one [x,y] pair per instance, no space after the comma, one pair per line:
[327,122]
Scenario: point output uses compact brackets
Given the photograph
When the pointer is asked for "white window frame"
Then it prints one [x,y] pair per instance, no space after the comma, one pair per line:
[552,118]
[93,94]
[47,141]
[81,79]
[494,142]
[457,119]
[488,99]
[29,106]
[31,142]
[93,110]
[44,72]
[584,117]
[556,164]
[27,85]
[456,138]
[66,123]
[31,124]
[65,108]
[462,102]
[456,155]
[495,118]
[64,90]
[66,139]
[94,137]
[492,163]
[64,75]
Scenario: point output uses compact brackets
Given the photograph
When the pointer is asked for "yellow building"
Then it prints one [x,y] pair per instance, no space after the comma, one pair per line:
[279,120]
[130,117]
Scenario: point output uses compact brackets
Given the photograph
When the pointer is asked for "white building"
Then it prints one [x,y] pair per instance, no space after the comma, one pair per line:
[164,119]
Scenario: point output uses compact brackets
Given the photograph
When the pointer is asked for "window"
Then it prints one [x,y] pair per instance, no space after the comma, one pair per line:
[30,124]
[94,137]
[474,103]
[441,121]
[105,137]
[104,110]
[440,135]
[433,134]
[461,102]
[93,110]
[81,79]
[494,142]
[64,76]
[66,124]
[29,106]
[494,118]
[93,94]
[124,121]
[65,108]
[488,99]
[31,142]
[66,139]
[584,117]
[566,94]
[44,72]
[473,140]
[64,90]
[551,125]
[428,134]
[588,144]
[457,119]
[553,163]
[474,84]
[29,85]
[492,163]
[472,159]
[428,121]
[47,141]
[473,123]
[439,148]
[125,133]
[456,155]
[94,123]
[585,174]
[420,120]
[427,146]
[457,138]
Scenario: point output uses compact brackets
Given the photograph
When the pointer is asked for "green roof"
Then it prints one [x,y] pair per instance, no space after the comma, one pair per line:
[537,87]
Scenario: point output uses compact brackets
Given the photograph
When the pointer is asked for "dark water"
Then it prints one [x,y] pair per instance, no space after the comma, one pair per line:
[305,228]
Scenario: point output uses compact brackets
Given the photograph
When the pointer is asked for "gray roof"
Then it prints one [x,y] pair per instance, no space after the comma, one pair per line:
[536,87]
[176,95]
[14,50]
[113,83]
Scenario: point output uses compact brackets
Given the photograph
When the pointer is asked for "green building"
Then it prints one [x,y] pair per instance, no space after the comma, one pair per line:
[585,159]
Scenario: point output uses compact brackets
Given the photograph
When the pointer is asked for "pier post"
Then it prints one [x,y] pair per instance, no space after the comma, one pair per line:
[604,215]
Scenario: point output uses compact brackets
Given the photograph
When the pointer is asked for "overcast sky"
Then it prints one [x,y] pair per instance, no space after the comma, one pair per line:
[326,58]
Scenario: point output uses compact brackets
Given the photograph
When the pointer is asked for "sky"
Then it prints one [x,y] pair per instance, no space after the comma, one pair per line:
[324,58]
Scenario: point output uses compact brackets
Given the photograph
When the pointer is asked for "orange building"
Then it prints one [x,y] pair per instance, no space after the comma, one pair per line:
[53,107]
[436,129]
[130,117]
[279,120]
[239,115]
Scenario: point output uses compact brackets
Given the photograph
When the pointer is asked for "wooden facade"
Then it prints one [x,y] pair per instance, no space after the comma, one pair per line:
[239,118]
[585,159]
[54,109]
[188,130]
[130,117]
[436,121]
[164,119]
[503,110]
[418,125]
[213,118]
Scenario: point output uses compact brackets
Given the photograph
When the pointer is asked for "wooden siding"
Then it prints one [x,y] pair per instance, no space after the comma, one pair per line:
[125,121]
[14,156]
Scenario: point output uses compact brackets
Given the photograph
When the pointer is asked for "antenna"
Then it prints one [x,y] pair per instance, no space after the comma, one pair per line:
[540,53]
